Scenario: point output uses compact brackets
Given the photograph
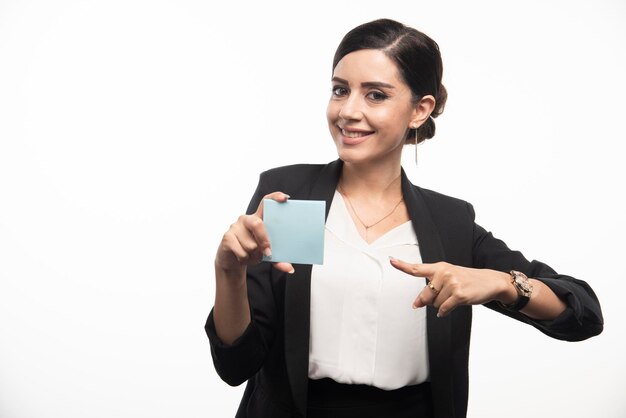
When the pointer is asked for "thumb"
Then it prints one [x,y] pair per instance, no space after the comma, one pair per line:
[277,196]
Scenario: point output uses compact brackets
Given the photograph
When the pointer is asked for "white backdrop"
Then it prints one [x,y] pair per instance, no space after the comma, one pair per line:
[132,134]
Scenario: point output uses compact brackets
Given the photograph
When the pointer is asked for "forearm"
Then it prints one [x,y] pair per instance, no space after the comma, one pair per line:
[231,312]
[543,304]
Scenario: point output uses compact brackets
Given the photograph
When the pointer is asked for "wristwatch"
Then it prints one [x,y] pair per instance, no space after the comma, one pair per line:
[524,289]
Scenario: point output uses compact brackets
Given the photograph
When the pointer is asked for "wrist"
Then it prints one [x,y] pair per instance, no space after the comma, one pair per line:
[231,277]
[231,312]
[523,289]
[507,294]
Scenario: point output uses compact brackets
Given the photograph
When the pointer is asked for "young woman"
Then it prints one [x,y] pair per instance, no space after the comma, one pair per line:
[359,336]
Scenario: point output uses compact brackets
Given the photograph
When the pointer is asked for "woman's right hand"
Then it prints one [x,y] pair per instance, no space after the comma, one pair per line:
[246,241]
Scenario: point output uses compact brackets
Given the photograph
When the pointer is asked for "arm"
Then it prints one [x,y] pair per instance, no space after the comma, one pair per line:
[252,331]
[561,306]
[450,286]
[543,303]
[241,325]
[231,312]
[582,316]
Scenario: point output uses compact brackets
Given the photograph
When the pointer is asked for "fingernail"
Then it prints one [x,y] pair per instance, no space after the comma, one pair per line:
[286,195]
[439,315]
[267,252]
[292,271]
[414,306]
[392,259]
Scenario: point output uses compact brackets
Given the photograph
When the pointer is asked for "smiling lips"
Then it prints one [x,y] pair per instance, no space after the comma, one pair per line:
[354,137]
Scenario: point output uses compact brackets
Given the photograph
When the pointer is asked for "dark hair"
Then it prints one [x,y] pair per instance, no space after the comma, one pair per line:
[416,55]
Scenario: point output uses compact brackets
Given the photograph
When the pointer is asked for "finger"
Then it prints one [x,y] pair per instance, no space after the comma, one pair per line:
[232,244]
[245,237]
[440,294]
[447,306]
[424,298]
[256,225]
[286,267]
[256,228]
[418,270]
[277,196]
[419,301]
[250,246]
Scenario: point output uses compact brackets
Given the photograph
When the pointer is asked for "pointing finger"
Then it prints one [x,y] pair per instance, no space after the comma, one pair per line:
[417,270]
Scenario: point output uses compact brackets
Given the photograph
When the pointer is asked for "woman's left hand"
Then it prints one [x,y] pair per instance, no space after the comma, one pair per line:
[450,286]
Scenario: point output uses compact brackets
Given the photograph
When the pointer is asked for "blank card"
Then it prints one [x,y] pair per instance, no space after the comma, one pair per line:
[296,230]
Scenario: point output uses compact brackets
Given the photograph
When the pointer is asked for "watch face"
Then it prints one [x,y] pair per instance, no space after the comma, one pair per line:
[525,286]
[522,283]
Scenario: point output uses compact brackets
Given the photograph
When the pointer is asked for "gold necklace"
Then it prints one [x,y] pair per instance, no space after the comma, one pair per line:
[367,227]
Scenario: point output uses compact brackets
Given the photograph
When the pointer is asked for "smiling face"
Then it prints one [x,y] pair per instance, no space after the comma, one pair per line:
[370,109]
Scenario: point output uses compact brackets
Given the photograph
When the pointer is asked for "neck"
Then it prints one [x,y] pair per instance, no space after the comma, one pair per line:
[374,180]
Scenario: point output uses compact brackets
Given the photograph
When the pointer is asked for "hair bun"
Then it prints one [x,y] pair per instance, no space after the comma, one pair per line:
[440,101]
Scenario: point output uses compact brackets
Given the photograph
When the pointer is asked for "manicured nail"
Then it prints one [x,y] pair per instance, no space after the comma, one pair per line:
[267,252]
[413,306]
[292,271]
[286,195]
[392,259]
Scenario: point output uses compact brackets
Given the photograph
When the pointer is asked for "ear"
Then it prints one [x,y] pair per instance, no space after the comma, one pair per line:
[422,110]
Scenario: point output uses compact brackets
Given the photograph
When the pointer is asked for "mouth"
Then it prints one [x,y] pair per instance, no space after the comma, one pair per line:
[353,136]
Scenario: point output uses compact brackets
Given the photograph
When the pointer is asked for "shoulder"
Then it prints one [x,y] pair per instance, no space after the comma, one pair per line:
[299,170]
[454,222]
[296,179]
[440,202]
[448,212]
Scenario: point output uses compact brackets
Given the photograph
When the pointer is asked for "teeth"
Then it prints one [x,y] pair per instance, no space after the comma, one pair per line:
[353,134]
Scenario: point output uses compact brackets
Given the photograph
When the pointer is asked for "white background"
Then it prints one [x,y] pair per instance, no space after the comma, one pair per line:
[132,134]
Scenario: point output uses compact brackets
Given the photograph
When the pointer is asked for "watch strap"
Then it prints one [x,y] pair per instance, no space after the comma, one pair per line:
[518,304]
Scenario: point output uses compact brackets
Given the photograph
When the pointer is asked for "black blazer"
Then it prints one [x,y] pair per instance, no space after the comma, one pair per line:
[272,353]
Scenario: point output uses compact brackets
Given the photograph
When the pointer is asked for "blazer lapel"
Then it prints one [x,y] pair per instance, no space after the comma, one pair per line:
[298,300]
[438,329]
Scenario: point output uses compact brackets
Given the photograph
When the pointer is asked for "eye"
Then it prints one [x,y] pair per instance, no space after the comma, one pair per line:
[339,91]
[377,96]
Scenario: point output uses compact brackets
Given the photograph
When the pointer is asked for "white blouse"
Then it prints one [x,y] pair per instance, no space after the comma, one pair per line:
[363,328]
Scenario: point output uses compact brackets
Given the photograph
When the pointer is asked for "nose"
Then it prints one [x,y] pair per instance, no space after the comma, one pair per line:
[351,108]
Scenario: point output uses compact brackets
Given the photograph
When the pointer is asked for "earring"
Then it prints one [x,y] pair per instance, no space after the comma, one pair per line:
[415,128]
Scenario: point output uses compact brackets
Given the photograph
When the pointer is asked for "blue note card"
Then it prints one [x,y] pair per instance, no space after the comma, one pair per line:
[296,230]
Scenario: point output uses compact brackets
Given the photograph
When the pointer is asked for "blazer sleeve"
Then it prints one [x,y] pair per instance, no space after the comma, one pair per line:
[237,362]
[583,317]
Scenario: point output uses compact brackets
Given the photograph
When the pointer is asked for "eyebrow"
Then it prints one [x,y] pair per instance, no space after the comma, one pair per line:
[378,84]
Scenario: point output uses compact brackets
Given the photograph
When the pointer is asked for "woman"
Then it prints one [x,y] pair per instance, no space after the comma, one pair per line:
[341,339]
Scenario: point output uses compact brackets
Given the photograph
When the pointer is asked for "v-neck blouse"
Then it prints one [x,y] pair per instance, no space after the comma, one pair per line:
[363,328]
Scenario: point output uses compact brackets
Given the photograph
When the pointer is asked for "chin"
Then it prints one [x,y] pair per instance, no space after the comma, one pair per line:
[352,156]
